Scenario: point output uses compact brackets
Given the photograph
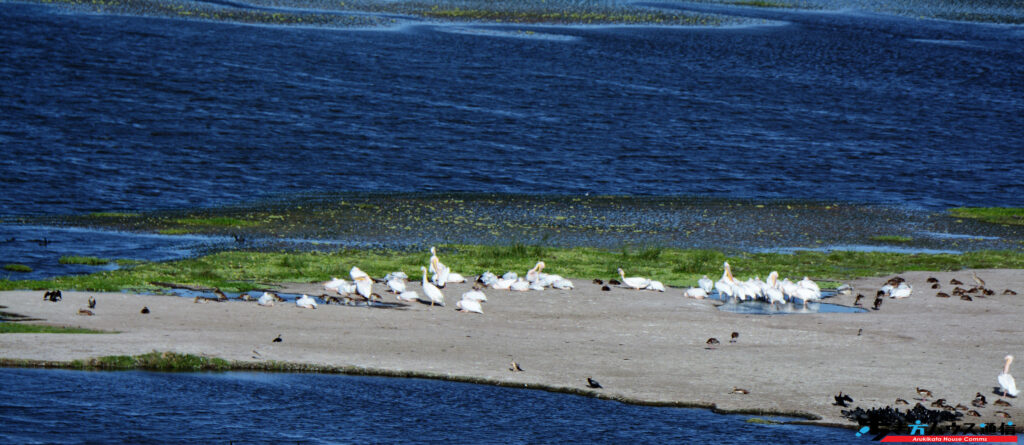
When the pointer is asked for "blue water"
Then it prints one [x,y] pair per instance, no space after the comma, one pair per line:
[115,112]
[71,407]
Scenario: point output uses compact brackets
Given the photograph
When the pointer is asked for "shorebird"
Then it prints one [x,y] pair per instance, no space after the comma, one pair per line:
[923,392]
[856,301]
[1001,402]
[979,400]
[591,383]
[220,295]
[735,336]
[1009,292]
[736,390]
[1002,414]
[900,402]
[598,281]
[515,367]
[92,303]
[842,399]
[277,339]
[878,300]
[942,295]
[932,280]
[955,282]
[712,342]
[977,279]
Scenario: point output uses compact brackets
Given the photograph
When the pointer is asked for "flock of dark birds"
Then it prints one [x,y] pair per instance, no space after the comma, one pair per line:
[978,290]
[894,416]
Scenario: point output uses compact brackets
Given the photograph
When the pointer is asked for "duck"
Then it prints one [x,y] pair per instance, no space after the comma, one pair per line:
[305,302]
[736,390]
[706,284]
[923,392]
[1006,381]
[712,342]
[634,282]
[432,292]
[1001,402]
[591,383]
[900,402]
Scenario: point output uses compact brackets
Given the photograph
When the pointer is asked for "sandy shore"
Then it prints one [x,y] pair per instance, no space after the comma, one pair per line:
[640,345]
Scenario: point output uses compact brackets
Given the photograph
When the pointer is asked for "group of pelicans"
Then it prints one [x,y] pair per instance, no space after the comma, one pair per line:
[361,286]
[773,291]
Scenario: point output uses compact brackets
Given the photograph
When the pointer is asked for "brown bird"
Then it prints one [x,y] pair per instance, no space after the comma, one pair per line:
[932,280]
[955,282]
[966,297]
[895,281]
[961,407]
[1001,402]
[1009,292]
[939,403]
[515,367]
[959,290]
[220,295]
[923,392]
[245,297]
[878,302]
[942,295]
[979,400]
[901,402]
[988,292]
[712,342]
[92,303]
[977,279]
[973,413]
[1002,414]
[856,301]
[145,310]
[84,312]
[598,281]
[935,286]
[736,390]
[860,331]
[735,336]
[614,282]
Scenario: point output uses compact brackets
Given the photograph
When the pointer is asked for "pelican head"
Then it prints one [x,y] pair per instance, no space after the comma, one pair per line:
[433,250]
[1006,368]
[540,266]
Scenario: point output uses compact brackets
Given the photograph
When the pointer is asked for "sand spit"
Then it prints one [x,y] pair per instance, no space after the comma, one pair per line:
[642,346]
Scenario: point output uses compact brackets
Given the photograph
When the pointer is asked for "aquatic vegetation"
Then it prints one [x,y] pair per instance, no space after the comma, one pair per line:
[995,215]
[17,268]
[19,328]
[760,421]
[87,260]
[892,238]
[154,361]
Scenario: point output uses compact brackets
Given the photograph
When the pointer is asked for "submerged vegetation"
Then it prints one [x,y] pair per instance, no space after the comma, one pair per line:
[17,267]
[995,215]
[87,260]
[892,238]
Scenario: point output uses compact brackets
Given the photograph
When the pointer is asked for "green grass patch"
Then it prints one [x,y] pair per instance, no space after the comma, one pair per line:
[996,215]
[18,328]
[760,421]
[892,238]
[87,260]
[155,361]
[17,268]
[236,271]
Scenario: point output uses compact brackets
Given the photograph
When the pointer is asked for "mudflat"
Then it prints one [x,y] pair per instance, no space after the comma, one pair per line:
[641,346]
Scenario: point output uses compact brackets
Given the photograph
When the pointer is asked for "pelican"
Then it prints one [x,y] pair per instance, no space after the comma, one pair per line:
[503,283]
[433,260]
[470,306]
[774,295]
[520,285]
[563,284]
[475,295]
[487,278]
[656,286]
[634,282]
[305,302]
[266,300]
[706,284]
[396,285]
[510,275]
[334,284]
[432,292]
[696,292]
[456,277]
[902,291]
[364,286]
[1006,382]
[534,274]
[725,288]
[356,273]
[809,284]
[409,295]
[806,294]
[537,286]
[396,275]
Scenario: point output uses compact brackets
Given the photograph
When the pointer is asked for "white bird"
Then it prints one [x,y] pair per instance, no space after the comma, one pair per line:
[696,292]
[806,294]
[534,274]
[536,286]
[356,273]
[809,284]
[1006,382]
[774,295]
[656,286]
[488,278]
[725,288]
[510,275]
[396,275]
[456,278]
[432,292]
[409,295]
[634,282]
[563,284]
[503,283]
[470,306]
[305,302]
[519,285]
[364,286]
[441,277]
[902,291]
[474,295]
[706,284]
[396,285]
[266,300]
[433,259]
[335,283]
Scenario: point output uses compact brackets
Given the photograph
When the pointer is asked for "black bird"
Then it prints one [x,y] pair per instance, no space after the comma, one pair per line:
[735,336]
[598,281]
[933,280]
[614,282]
[712,342]
[942,295]
[856,301]
[145,310]
[935,286]
[966,297]
[955,282]
[979,400]
[606,288]
[92,303]
[278,339]
[591,383]
[515,367]
[860,331]
[878,302]
[842,400]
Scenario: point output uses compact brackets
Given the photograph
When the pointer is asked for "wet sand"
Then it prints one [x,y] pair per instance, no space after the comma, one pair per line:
[642,346]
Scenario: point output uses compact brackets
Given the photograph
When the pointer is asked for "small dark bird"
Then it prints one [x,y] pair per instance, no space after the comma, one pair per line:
[84,312]
[935,286]
[1001,402]
[988,292]
[842,399]
[895,281]
[145,310]
[1002,414]
[220,295]
[856,301]
[959,290]
[606,288]
[860,331]
[923,392]
[591,383]
[278,339]
[961,407]
[973,413]
[932,280]
[598,281]
[239,238]
[901,402]
[736,390]
[878,302]
[942,295]
[92,303]
[735,336]
[245,297]
[515,367]
[955,282]
[1009,292]
[939,403]
[979,400]
[712,342]
[966,298]
[614,282]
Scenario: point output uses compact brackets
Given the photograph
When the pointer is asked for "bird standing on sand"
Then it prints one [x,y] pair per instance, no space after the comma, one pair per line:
[431,291]
[706,284]
[900,402]
[591,383]
[712,342]
[277,339]
[634,282]
[923,392]
[878,300]
[736,390]
[1006,382]
[979,400]
[735,336]
[145,310]
[92,303]
[856,301]
[515,367]
[977,279]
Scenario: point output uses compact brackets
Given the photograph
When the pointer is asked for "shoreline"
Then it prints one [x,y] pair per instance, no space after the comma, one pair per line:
[647,348]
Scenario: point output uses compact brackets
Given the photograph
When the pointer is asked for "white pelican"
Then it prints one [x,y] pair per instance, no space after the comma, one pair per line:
[534,274]
[656,285]
[510,275]
[456,277]
[474,295]
[470,306]
[396,275]
[546,280]
[488,278]
[902,291]
[356,273]
[788,288]
[810,284]
[335,283]
[563,284]
[634,282]
[725,288]
[266,300]
[396,285]
[433,259]
[519,285]
[364,286]
[305,302]
[409,295]
[774,295]
[696,292]
[1006,382]
[432,292]
[503,283]
[536,286]
[706,284]
[807,294]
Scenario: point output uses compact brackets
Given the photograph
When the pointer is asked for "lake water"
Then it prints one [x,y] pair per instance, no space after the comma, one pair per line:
[72,407]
